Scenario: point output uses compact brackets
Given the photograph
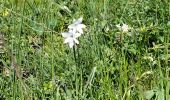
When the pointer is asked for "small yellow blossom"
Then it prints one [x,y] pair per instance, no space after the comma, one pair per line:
[5,13]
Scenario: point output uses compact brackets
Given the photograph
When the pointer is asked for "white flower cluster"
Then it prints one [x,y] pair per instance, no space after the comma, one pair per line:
[75,31]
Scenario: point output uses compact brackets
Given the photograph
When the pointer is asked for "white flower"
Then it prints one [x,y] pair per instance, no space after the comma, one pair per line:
[148,58]
[77,26]
[70,38]
[125,28]
[71,41]
[75,31]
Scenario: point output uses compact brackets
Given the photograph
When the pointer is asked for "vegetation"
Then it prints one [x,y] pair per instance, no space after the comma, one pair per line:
[107,64]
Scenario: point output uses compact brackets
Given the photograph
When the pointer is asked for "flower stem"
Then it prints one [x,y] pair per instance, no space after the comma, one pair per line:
[74,51]
[76,84]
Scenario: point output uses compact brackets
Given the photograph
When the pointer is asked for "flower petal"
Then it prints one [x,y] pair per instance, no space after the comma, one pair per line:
[71,44]
[66,34]
[71,26]
[76,41]
[125,28]
[76,35]
[75,23]
[81,26]
[67,40]
[72,30]
[118,26]
[78,21]
[79,30]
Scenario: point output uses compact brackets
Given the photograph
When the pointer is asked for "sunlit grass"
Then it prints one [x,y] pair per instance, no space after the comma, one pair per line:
[108,63]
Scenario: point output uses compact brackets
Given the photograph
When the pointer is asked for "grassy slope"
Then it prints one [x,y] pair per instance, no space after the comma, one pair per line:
[108,65]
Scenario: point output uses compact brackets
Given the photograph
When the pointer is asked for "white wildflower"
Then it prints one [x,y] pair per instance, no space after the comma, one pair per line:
[77,26]
[75,31]
[148,58]
[125,28]
[70,38]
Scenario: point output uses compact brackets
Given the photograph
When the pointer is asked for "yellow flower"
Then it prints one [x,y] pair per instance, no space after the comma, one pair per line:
[5,13]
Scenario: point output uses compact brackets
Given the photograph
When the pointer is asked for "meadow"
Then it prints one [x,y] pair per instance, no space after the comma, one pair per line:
[123,53]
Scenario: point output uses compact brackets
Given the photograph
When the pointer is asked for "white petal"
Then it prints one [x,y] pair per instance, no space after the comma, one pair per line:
[78,21]
[76,35]
[71,44]
[125,28]
[79,30]
[124,25]
[76,41]
[71,26]
[69,39]
[118,26]
[81,26]
[66,34]
[72,30]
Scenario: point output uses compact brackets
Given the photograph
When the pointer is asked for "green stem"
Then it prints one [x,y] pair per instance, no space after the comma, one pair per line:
[74,51]
[76,77]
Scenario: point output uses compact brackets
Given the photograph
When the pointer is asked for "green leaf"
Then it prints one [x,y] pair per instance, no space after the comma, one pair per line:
[149,94]
[168,24]
[160,95]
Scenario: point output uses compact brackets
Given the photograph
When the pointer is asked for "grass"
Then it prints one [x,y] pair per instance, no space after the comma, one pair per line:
[107,64]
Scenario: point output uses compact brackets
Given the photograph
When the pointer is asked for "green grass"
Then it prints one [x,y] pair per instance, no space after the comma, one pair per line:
[106,65]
